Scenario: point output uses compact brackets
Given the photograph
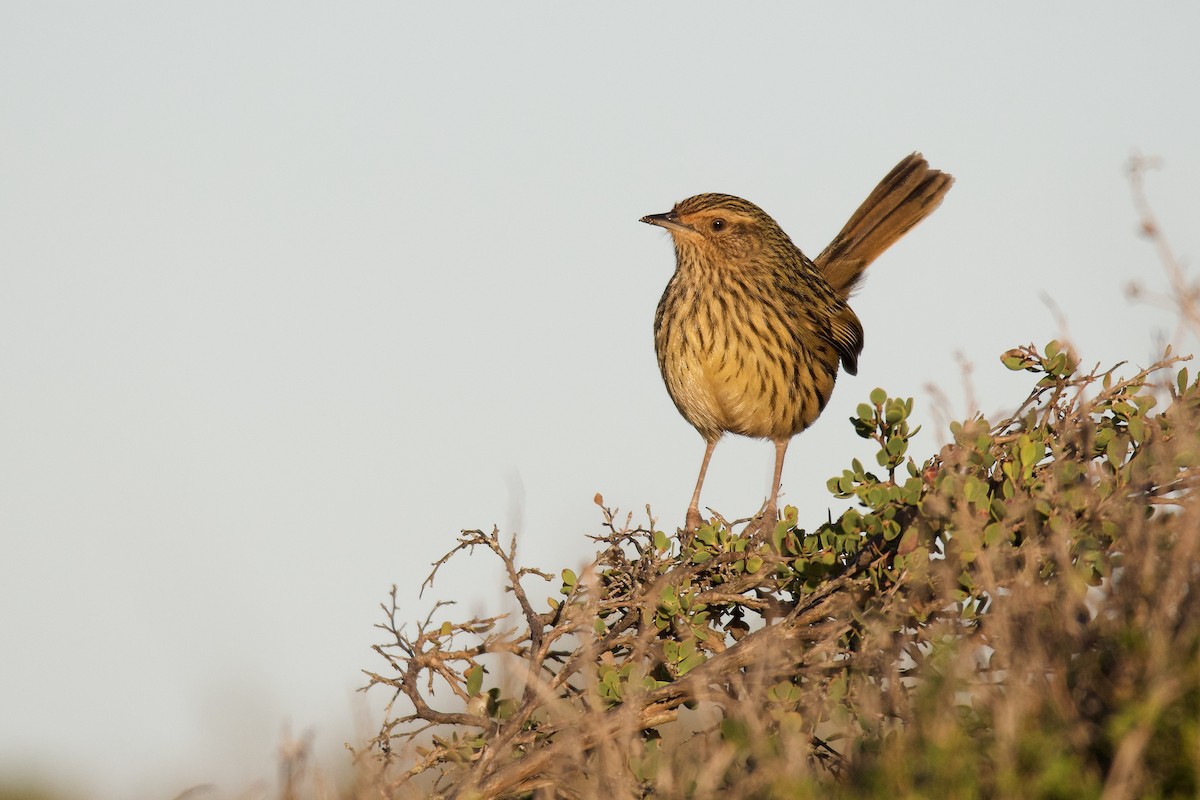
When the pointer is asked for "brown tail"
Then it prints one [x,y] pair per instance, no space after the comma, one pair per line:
[909,194]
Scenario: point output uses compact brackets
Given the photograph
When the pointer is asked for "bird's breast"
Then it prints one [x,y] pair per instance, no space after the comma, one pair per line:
[738,360]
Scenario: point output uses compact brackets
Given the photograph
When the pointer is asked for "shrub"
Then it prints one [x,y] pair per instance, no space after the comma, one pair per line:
[1016,616]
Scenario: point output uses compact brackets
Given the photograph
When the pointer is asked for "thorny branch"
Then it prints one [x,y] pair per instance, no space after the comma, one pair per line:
[620,591]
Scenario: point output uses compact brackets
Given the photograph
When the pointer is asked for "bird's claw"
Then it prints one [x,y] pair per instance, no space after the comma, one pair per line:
[764,523]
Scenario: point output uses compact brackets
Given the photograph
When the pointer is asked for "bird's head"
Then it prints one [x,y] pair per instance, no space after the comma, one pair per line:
[720,228]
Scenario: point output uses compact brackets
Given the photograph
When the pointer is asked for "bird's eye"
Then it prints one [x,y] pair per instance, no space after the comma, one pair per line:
[718,225]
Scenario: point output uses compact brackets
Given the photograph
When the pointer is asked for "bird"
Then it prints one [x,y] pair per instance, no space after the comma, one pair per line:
[750,332]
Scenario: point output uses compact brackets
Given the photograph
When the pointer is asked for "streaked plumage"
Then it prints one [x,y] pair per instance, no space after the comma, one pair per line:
[750,332]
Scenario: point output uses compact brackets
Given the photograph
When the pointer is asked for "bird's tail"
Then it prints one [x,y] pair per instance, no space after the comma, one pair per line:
[909,193]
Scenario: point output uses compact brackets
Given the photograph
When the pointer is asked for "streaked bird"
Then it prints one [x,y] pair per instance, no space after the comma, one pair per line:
[750,332]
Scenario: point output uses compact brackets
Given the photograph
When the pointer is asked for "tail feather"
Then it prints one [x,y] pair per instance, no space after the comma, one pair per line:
[907,195]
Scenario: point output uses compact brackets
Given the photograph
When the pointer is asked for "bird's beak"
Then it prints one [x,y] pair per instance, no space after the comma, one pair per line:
[670,221]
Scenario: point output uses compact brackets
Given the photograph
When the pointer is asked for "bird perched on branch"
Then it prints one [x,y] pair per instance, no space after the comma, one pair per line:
[750,331]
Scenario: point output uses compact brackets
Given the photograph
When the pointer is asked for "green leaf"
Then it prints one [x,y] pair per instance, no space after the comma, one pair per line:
[1031,452]
[1116,451]
[974,490]
[505,708]
[735,732]
[669,600]
[1137,429]
[878,396]
[691,662]
[474,680]
[777,538]
[1014,362]
[661,542]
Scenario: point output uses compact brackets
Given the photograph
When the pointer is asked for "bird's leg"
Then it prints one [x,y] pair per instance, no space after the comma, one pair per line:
[770,515]
[693,512]
[772,512]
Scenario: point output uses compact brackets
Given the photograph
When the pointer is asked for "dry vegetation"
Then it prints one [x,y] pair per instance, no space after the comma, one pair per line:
[1016,616]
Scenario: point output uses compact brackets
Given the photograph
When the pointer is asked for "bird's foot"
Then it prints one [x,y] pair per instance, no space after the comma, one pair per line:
[764,524]
[693,522]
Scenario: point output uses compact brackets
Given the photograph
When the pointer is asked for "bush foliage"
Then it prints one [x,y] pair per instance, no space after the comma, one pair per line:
[1016,616]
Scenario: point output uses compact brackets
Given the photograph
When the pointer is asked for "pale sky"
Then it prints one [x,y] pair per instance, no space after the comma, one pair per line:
[292,292]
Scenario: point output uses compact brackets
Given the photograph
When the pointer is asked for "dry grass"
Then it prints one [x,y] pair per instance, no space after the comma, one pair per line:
[1015,618]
